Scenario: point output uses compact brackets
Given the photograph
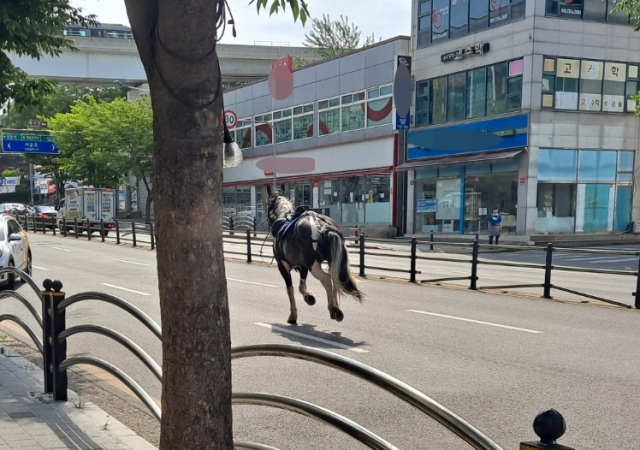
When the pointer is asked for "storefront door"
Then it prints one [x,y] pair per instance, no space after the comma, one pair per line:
[302,195]
[595,207]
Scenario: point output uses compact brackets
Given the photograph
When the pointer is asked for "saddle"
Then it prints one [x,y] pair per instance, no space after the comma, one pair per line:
[281,226]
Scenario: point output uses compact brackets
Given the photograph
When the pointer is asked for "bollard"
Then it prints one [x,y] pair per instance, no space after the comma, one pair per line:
[57,320]
[474,266]
[153,237]
[44,226]
[549,426]
[231,226]
[75,226]
[255,226]
[414,246]
[431,239]
[547,272]
[47,347]
[361,253]
[133,229]
[102,229]
[248,246]
[88,230]
[117,232]
[53,225]
[64,227]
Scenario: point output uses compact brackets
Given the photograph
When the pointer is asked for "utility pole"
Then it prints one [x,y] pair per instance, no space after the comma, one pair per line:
[31,181]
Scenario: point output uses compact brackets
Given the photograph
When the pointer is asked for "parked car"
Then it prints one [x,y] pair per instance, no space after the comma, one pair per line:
[7,207]
[46,214]
[14,250]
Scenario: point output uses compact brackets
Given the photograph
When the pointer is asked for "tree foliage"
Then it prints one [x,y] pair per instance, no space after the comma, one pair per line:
[331,38]
[33,28]
[11,172]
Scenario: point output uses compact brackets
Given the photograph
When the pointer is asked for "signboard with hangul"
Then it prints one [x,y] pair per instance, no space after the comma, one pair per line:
[478,48]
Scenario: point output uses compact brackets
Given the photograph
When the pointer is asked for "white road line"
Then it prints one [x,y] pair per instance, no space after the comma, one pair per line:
[604,260]
[58,248]
[311,338]
[124,289]
[252,282]
[40,268]
[476,321]
[130,262]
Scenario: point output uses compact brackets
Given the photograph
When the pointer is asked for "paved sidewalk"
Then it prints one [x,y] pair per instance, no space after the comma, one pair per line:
[30,420]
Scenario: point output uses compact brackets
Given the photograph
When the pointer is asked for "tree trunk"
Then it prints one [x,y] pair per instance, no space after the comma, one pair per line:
[147,209]
[187,189]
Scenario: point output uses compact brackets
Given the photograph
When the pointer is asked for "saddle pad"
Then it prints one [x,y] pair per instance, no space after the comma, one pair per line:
[287,225]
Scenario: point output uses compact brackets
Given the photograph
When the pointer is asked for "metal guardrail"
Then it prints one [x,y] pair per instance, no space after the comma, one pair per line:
[53,347]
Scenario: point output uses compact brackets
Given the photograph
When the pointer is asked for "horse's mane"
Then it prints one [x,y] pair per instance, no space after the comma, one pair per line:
[282,206]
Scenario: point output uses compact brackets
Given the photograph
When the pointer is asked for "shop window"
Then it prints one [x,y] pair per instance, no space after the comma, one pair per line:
[556,208]
[330,197]
[557,165]
[459,18]
[625,162]
[456,87]
[597,165]
[622,220]
[303,121]
[353,106]
[243,133]
[329,116]
[439,100]
[483,192]
[496,89]
[422,103]
[476,92]
[591,85]
[478,15]
[379,106]
[424,23]
[440,21]
[283,126]
[377,198]
[352,190]
[426,205]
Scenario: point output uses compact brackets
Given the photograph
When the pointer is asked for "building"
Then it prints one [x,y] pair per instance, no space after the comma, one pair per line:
[554,80]
[341,114]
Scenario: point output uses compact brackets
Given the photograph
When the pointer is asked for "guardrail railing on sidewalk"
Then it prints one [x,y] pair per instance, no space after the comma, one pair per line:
[549,425]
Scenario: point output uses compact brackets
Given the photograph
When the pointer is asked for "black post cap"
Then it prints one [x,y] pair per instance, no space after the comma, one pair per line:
[549,426]
[57,285]
[47,284]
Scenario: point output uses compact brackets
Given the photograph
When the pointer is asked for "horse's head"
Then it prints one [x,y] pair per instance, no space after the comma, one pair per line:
[278,205]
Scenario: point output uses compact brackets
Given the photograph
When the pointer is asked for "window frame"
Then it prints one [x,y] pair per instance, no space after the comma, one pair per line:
[351,104]
[303,114]
[329,108]
[379,97]
[426,111]
[257,121]
[242,126]
[281,119]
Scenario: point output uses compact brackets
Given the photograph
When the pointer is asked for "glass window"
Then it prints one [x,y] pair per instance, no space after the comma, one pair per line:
[557,165]
[487,192]
[263,134]
[440,20]
[620,17]
[459,18]
[595,10]
[552,8]
[499,12]
[243,134]
[615,76]
[496,89]
[377,199]
[352,191]
[632,90]
[456,96]
[283,128]
[353,114]
[518,9]
[424,23]
[449,204]
[571,9]
[514,94]
[597,165]
[439,100]
[622,220]
[379,110]
[556,208]
[422,103]
[426,204]
[625,161]
[303,122]
[330,197]
[476,92]
[591,85]
[478,15]
[328,116]
[567,72]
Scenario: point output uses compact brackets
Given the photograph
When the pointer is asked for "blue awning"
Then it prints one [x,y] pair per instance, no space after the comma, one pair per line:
[460,160]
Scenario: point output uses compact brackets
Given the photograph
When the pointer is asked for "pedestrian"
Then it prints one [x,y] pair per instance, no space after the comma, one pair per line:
[495,223]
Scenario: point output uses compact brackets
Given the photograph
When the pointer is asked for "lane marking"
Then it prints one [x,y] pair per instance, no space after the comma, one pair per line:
[124,289]
[312,338]
[58,248]
[604,260]
[476,321]
[252,282]
[40,268]
[131,262]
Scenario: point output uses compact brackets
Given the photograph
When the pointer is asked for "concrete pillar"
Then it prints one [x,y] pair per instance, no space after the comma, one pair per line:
[411,201]
[530,206]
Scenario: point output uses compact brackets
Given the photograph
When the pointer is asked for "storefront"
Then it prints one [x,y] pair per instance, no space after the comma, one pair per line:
[454,191]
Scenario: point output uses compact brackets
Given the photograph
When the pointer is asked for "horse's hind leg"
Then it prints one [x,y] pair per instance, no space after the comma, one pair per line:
[325,279]
[285,271]
[308,295]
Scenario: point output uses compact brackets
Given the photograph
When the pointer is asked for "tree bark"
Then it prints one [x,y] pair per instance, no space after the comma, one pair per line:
[196,342]
[147,209]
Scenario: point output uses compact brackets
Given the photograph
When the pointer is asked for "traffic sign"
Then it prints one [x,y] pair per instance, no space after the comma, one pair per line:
[231,119]
[28,141]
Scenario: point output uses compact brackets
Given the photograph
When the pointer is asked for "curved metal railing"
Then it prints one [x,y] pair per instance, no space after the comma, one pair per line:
[32,334]
[25,277]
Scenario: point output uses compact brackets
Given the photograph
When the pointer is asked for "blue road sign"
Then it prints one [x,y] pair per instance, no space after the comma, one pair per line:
[28,141]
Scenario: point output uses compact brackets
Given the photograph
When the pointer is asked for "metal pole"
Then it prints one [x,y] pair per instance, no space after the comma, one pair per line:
[414,245]
[53,225]
[474,266]
[248,246]
[59,353]
[102,229]
[31,181]
[117,232]
[273,138]
[361,253]
[133,230]
[64,227]
[153,236]
[431,238]
[547,272]
[637,292]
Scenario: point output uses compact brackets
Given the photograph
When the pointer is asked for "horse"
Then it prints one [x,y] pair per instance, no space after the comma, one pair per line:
[304,240]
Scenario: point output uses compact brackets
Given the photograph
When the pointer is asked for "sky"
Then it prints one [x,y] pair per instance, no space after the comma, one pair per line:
[371,16]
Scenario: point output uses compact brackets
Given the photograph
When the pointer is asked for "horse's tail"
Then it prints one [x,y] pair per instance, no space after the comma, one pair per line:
[343,281]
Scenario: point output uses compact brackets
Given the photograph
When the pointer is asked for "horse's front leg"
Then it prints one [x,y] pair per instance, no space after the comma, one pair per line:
[308,295]
[285,271]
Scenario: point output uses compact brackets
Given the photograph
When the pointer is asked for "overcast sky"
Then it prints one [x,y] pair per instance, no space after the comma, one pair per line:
[383,17]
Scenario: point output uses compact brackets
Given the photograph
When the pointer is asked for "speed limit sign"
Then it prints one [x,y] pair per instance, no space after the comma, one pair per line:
[230,119]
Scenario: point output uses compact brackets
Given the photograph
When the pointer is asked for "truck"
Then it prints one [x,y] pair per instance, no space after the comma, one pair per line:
[89,208]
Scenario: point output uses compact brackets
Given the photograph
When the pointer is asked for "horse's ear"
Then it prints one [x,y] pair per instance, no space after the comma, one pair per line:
[282,188]
[269,190]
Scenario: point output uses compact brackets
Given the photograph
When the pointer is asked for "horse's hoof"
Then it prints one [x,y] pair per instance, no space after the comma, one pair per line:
[332,314]
[292,321]
[339,316]
[310,299]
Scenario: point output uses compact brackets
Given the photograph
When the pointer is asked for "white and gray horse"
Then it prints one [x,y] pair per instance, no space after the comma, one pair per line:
[303,241]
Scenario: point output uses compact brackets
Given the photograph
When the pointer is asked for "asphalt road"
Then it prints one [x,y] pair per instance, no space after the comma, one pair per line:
[510,357]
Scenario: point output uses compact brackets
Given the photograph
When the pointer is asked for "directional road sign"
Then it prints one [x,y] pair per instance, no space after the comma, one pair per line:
[28,141]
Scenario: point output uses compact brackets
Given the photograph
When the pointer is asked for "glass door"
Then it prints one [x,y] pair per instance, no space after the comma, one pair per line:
[595,208]
[302,195]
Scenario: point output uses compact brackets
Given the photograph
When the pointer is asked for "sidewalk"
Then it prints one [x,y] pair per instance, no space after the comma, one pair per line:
[30,420]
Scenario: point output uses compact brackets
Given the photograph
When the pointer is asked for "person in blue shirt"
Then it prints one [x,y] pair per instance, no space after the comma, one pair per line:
[495,223]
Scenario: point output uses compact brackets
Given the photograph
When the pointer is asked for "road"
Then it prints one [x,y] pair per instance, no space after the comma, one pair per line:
[496,360]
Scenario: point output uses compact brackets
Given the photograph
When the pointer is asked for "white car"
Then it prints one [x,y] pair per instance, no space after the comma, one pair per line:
[14,250]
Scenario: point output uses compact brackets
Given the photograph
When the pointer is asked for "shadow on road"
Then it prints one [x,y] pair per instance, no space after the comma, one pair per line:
[286,331]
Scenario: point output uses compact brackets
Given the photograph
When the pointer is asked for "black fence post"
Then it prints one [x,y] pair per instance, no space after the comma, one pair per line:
[64,227]
[637,292]
[153,237]
[117,232]
[47,341]
[431,239]
[75,226]
[133,230]
[547,272]
[53,225]
[414,246]
[59,354]
[102,229]
[88,230]
[248,246]
[474,265]
[44,225]
[549,425]
[231,225]
[361,239]
[255,226]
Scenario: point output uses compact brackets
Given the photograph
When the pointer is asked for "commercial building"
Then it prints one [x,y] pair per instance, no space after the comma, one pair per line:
[340,114]
[554,80]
